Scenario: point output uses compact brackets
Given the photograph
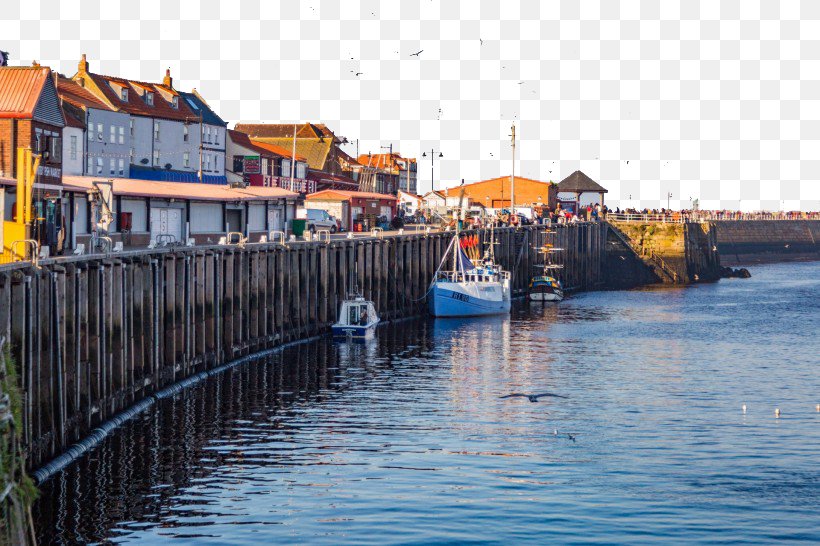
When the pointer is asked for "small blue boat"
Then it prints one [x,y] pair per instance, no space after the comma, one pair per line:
[469,290]
[357,319]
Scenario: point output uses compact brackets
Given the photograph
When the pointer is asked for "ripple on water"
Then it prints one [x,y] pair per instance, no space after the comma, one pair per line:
[406,439]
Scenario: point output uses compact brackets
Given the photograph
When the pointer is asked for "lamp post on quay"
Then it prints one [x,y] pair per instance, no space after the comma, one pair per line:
[432,165]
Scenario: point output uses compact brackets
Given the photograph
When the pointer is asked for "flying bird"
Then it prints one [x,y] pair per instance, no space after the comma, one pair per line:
[357,73]
[532,397]
[627,162]
[417,53]
[482,41]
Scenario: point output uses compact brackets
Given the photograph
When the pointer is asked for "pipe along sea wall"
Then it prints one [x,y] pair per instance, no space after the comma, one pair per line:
[97,338]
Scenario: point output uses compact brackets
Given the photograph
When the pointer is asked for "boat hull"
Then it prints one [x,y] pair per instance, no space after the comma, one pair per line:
[356,332]
[557,295]
[451,300]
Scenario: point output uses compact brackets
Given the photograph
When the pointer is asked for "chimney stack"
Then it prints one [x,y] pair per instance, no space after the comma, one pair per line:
[82,66]
[168,81]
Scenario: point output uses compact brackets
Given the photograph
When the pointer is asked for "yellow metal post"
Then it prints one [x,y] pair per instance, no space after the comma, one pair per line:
[20,228]
[33,163]
[21,186]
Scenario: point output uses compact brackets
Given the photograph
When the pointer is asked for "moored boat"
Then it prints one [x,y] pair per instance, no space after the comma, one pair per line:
[469,290]
[357,319]
[545,288]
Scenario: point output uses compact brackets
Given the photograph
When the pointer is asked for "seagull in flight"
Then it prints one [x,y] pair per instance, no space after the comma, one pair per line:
[417,53]
[532,397]
[357,73]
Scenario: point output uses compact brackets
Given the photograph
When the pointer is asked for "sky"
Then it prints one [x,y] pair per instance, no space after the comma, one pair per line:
[715,101]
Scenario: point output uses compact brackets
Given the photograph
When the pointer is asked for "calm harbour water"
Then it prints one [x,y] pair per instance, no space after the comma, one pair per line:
[406,440]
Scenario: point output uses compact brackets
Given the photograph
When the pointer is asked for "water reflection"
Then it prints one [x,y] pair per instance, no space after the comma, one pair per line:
[384,441]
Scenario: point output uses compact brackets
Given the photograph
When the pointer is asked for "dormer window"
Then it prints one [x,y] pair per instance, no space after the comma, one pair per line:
[175,102]
[124,94]
[149,98]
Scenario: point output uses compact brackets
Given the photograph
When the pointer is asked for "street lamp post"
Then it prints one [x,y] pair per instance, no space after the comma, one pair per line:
[432,165]
[668,197]
[389,164]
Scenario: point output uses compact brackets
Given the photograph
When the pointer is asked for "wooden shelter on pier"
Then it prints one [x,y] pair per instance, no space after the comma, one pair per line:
[578,183]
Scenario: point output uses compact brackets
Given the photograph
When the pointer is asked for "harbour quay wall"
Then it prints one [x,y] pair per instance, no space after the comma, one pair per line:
[655,252]
[755,241]
[93,337]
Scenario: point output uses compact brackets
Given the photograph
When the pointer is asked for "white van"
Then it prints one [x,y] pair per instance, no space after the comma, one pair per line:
[320,219]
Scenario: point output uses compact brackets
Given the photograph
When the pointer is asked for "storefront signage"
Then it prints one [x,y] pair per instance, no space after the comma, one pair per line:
[253,164]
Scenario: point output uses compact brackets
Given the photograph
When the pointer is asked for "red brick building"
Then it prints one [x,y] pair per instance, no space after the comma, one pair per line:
[31,117]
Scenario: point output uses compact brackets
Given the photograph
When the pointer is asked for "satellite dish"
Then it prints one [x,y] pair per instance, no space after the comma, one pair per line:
[168,166]
[144,161]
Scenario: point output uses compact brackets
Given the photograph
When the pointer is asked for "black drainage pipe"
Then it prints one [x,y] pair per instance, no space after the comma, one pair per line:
[98,434]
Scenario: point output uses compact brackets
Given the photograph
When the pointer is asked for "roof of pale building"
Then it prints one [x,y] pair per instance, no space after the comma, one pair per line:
[578,182]
[136,103]
[75,94]
[132,187]
[198,105]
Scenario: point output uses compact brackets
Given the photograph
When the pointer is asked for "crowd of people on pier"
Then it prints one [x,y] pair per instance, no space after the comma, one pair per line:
[668,215]
[546,215]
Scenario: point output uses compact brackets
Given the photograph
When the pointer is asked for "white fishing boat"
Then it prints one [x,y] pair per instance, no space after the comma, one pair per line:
[357,319]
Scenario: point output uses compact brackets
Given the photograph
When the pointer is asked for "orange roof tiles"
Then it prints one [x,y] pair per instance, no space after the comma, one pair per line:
[136,104]
[73,93]
[241,139]
[20,89]
[384,161]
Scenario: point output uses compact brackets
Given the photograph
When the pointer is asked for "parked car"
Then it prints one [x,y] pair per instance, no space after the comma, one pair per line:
[318,219]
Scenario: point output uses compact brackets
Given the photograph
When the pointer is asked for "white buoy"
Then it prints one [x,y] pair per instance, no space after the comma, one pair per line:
[817,407]
[777,412]
[744,408]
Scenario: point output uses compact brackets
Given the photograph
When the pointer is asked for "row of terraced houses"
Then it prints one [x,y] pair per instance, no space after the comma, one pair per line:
[133,162]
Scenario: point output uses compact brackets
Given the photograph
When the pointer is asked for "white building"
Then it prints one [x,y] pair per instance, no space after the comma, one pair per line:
[172,136]
[96,139]
[409,202]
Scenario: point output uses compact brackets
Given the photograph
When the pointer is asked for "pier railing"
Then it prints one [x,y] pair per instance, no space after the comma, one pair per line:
[678,217]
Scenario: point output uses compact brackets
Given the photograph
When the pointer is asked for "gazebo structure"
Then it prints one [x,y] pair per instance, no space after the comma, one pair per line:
[579,183]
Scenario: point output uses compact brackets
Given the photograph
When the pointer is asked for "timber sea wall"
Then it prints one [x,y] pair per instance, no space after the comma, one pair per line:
[750,241]
[96,337]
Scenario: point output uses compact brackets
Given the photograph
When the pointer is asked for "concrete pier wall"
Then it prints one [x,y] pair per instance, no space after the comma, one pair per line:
[671,253]
[94,335]
[743,242]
